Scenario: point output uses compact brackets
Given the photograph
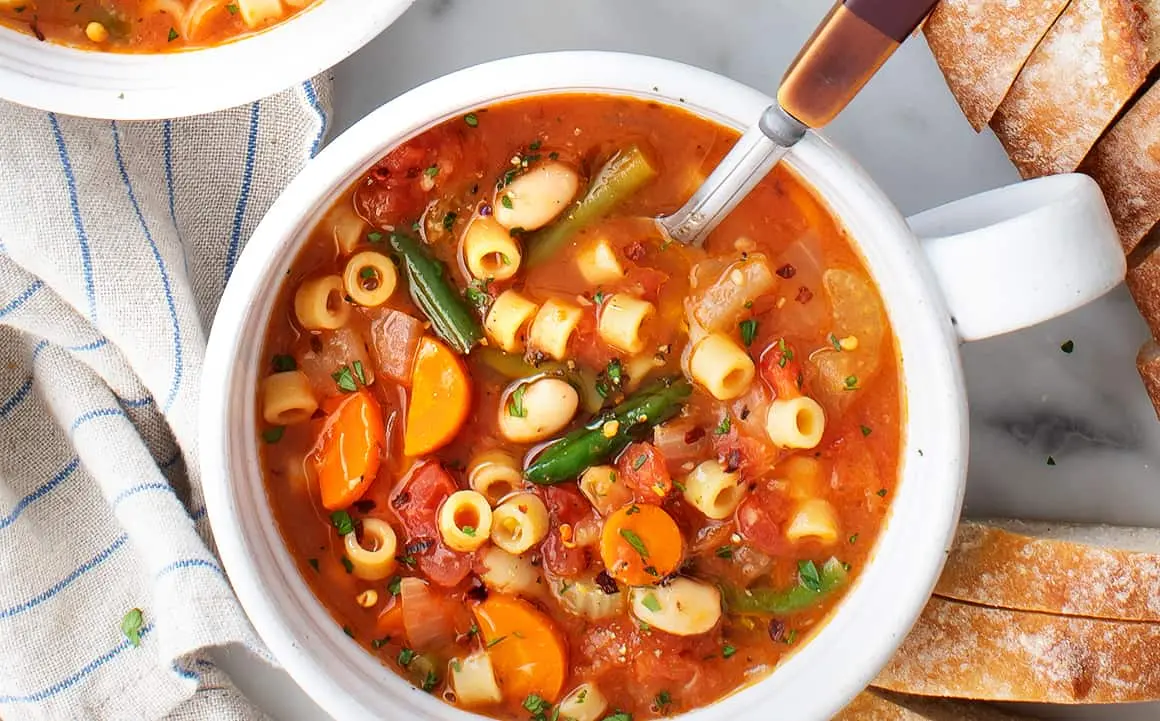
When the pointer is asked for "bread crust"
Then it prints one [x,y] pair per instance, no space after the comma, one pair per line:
[1148,365]
[1143,283]
[1083,73]
[1126,164]
[961,650]
[879,705]
[1012,568]
[981,45]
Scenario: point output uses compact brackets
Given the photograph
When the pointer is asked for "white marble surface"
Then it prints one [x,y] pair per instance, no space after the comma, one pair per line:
[1087,410]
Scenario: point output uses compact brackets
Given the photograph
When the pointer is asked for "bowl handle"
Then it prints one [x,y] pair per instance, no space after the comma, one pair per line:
[1016,256]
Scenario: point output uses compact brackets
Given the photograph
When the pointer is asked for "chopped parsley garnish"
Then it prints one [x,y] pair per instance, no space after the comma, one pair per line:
[172,35]
[536,705]
[283,363]
[506,260]
[725,552]
[1051,460]
[430,681]
[516,403]
[273,435]
[663,699]
[639,461]
[808,576]
[635,542]
[407,560]
[477,294]
[725,425]
[359,372]
[882,493]
[449,220]
[131,625]
[835,342]
[232,9]
[853,539]
[535,145]
[748,331]
[1067,346]
[598,297]
[341,520]
[367,273]
[406,656]
[374,236]
[791,636]
[650,602]
[347,631]
[632,509]
[866,430]
[471,120]
[506,201]
[851,383]
[614,372]
[345,380]
[380,642]
[728,651]
[456,666]
[619,716]
[432,171]
[313,563]
[494,641]
[468,530]
[472,630]
[347,565]
[395,585]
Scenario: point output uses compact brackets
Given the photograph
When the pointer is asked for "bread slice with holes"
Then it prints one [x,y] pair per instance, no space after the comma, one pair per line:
[961,650]
[1085,71]
[1098,571]
[879,705]
[1126,164]
[981,45]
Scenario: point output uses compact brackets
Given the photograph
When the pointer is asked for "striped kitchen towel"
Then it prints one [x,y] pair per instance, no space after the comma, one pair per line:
[116,240]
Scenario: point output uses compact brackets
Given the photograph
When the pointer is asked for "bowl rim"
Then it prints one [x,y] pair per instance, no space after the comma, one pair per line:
[152,86]
[879,609]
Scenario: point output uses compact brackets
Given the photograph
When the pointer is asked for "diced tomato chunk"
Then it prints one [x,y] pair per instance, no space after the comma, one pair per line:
[650,281]
[644,471]
[738,451]
[397,188]
[761,519]
[566,508]
[416,502]
[781,369]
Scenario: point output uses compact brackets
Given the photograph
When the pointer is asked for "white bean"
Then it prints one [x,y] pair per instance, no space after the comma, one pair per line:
[535,198]
[533,411]
[684,607]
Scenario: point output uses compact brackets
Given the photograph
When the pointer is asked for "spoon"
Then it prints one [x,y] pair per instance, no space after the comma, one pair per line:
[849,46]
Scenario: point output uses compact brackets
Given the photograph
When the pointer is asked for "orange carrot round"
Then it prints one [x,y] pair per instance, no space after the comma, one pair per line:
[526,650]
[349,450]
[640,544]
[440,398]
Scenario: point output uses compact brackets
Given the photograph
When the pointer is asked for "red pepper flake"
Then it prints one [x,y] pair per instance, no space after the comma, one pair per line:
[694,434]
[401,500]
[787,271]
[419,546]
[485,210]
[776,630]
[366,505]
[732,460]
[606,584]
[804,295]
[634,251]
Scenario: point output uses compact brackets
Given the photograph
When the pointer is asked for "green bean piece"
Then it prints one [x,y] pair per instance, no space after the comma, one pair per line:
[590,445]
[436,296]
[622,176]
[778,602]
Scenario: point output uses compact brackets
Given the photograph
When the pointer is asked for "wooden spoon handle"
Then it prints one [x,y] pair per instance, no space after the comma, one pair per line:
[849,46]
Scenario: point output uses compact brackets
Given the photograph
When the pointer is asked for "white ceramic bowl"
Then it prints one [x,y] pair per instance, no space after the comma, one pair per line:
[871,622]
[134,86]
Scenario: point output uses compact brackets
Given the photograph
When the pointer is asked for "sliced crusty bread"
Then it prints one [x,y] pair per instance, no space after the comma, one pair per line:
[1143,281]
[879,705]
[961,650]
[1083,73]
[981,45]
[1148,365]
[1126,163]
[1110,572]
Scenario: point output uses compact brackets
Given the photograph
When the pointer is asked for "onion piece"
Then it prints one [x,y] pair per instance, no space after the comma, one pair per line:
[858,314]
[720,306]
[426,620]
[396,338]
[343,347]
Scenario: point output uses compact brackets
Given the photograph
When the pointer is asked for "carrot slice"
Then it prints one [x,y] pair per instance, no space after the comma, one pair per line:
[640,544]
[349,450]
[440,398]
[527,651]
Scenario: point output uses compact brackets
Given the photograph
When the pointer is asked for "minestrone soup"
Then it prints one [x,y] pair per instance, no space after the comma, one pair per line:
[144,26]
[541,461]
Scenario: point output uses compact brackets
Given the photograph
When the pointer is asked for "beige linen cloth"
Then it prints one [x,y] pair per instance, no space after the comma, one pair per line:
[116,239]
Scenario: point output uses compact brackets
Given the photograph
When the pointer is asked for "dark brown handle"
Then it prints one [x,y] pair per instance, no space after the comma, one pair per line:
[847,49]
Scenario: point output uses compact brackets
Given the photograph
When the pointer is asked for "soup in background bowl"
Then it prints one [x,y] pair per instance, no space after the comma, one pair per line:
[535,457]
[563,581]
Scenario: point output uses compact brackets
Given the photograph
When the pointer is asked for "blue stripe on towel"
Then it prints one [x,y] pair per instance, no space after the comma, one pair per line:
[70,681]
[244,195]
[99,343]
[167,156]
[16,398]
[190,563]
[64,583]
[22,298]
[142,488]
[312,97]
[93,415]
[178,356]
[78,223]
[61,475]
